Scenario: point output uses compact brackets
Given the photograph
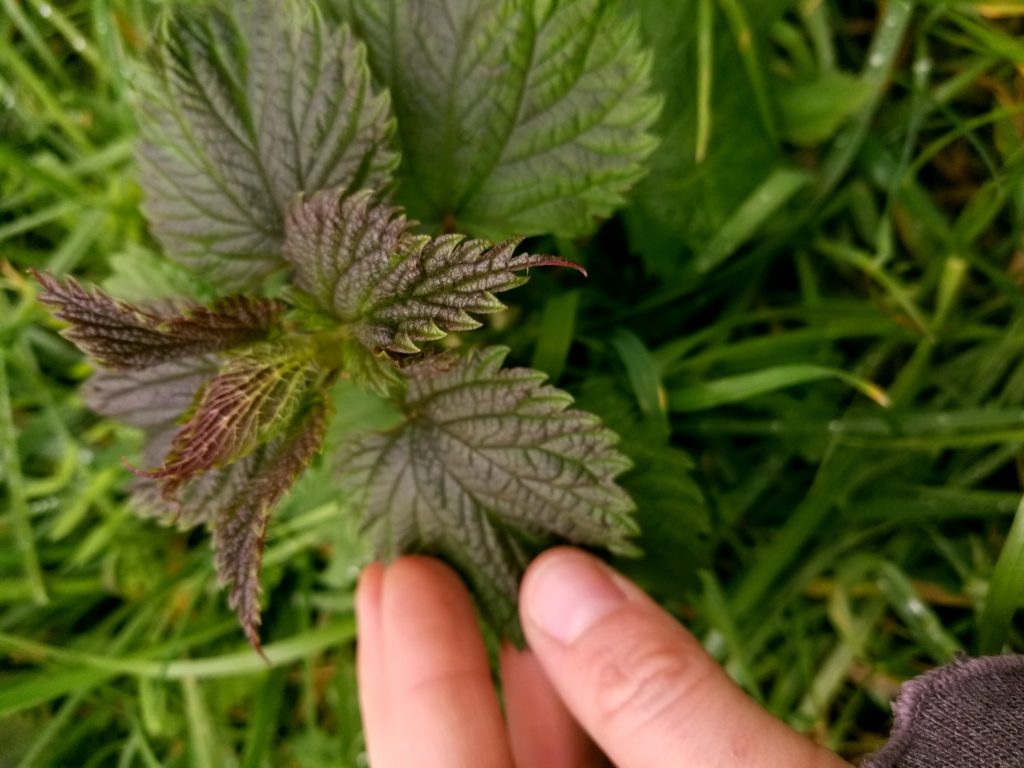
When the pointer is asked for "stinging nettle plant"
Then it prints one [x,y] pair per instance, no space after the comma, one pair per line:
[272,169]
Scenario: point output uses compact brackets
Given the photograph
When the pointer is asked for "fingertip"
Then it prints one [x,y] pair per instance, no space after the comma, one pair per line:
[565,592]
[425,590]
[419,573]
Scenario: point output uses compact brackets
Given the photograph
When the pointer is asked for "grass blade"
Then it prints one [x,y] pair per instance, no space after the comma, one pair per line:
[1005,590]
[764,202]
[735,389]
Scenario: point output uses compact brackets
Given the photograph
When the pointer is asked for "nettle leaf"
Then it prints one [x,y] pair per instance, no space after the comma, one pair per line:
[152,398]
[488,462]
[200,498]
[252,399]
[515,117]
[155,399]
[243,109]
[240,526]
[122,336]
[360,260]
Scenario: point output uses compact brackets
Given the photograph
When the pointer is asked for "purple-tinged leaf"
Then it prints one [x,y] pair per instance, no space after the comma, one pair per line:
[247,404]
[240,526]
[121,336]
[150,398]
[200,497]
[486,458]
[360,260]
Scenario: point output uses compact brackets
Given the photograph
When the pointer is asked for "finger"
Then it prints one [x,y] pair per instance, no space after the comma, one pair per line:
[370,662]
[442,707]
[541,729]
[638,682]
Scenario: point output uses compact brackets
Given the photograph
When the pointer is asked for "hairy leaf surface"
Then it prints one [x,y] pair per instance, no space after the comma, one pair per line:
[122,336]
[243,109]
[523,117]
[240,526]
[362,263]
[149,398]
[200,498]
[252,399]
[487,460]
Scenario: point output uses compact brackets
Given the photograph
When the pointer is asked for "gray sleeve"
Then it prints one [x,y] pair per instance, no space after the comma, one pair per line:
[969,714]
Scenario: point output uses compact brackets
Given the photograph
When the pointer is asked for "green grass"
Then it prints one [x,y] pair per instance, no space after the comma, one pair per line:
[816,295]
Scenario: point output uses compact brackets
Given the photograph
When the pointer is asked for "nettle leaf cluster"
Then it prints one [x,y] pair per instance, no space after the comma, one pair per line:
[278,153]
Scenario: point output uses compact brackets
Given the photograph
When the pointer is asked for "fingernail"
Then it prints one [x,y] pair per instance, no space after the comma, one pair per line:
[568,593]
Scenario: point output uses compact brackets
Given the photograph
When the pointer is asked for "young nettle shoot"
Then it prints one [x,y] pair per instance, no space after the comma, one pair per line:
[266,150]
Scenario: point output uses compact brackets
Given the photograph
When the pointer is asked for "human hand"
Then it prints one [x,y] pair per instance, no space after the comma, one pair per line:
[606,665]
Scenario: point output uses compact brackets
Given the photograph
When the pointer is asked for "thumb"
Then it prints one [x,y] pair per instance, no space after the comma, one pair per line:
[640,684]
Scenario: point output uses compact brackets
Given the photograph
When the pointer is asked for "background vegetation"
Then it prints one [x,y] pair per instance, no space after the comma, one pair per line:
[808,325]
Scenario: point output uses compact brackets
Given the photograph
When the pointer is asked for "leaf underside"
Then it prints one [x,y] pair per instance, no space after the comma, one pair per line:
[241,110]
[152,398]
[360,260]
[489,462]
[515,118]
[122,336]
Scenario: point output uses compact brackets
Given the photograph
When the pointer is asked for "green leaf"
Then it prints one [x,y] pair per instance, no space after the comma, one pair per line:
[743,386]
[1005,593]
[243,109]
[361,262]
[251,400]
[371,371]
[240,526]
[515,117]
[140,275]
[126,337]
[488,461]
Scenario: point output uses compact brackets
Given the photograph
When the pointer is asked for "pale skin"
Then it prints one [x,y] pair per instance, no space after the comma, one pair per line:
[607,673]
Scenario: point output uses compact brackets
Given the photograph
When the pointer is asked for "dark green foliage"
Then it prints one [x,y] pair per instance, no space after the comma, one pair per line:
[671,511]
[516,118]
